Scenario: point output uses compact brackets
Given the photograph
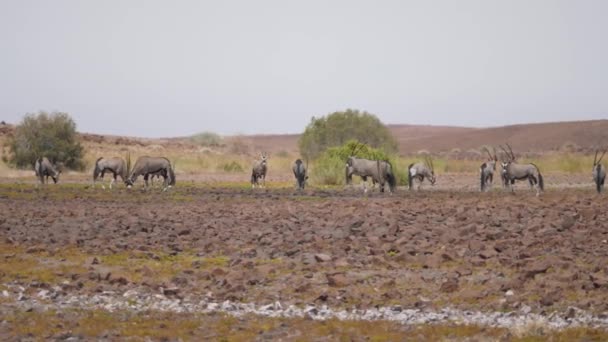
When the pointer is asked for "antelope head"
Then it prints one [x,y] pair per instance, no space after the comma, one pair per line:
[264,158]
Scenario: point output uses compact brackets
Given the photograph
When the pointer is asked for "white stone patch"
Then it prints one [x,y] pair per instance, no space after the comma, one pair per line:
[141,301]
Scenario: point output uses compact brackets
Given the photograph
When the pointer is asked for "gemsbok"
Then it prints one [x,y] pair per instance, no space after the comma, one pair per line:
[599,172]
[258,171]
[513,171]
[45,169]
[486,170]
[421,171]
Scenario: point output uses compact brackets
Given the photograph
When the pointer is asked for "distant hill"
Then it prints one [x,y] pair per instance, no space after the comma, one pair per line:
[538,137]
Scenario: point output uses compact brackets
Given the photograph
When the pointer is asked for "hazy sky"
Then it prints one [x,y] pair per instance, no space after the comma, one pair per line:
[168,68]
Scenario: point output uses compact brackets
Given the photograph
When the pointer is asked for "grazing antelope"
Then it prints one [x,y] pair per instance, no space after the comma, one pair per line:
[116,166]
[380,171]
[513,171]
[486,171]
[258,171]
[147,166]
[300,172]
[599,172]
[45,169]
[421,170]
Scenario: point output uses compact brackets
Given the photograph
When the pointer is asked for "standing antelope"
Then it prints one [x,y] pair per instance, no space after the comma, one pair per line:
[300,172]
[486,171]
[599,172]
[146,166]
[45,169]
[259,170]
[380,171]
[420,171]
[513,171]
[116,166]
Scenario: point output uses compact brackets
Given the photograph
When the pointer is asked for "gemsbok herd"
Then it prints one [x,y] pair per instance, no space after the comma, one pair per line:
[380,172]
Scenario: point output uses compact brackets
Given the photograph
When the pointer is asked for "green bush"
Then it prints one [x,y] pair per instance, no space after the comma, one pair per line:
[330,167]
[338,128]
[232,166]
[46,135]
[329,170]
[207,139]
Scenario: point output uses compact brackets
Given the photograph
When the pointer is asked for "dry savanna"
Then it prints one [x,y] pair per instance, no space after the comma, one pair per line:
[214,259]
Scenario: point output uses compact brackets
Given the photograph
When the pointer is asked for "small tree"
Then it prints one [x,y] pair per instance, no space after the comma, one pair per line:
[46,135]
[207,139]
[337,128]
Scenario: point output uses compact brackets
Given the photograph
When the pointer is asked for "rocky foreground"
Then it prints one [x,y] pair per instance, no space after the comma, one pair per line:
[458,258]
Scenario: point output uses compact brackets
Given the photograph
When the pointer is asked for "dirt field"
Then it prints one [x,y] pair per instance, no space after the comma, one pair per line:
[428,251]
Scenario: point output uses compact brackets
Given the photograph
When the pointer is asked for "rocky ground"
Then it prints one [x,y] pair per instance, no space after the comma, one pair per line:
[494,260]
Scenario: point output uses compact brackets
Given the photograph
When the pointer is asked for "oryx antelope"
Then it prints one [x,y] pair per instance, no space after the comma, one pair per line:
[486,170]
[45,169]
[115,165]
[300,172]
[380,172]
[421,170]
[258,171]
[147,166]
[513,171]
[599,172]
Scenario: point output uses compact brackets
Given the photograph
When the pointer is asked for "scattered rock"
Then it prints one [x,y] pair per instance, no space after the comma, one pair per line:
[337,280]
[322,257]
[171,291]
[450,285]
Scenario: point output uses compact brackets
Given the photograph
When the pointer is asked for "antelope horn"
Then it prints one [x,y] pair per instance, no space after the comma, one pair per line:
[488,152]
[128,163]
[503,149]
[599,161]
[595,158]
[358,148]
[355,149]
[511,150]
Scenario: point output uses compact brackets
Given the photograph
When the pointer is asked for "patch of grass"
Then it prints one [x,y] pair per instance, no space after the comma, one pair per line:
[20,266]
[232,166]
[91,324]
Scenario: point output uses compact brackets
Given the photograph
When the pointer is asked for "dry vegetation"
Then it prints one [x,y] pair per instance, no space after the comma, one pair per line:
[95,324]
[212,233]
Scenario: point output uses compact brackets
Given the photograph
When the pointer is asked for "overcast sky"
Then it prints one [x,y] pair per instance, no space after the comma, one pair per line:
[171,68]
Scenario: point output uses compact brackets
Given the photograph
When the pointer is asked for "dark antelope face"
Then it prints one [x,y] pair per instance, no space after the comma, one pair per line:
[505,166]
[129,182]
[432,179]
[56,177]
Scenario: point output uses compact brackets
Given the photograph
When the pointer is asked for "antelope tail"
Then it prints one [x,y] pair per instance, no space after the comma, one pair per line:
[346,175]
[482,176]
[172,175]
[96,170]
[541,183]
[390,177]
[409,176]
[380,176]
[598,180]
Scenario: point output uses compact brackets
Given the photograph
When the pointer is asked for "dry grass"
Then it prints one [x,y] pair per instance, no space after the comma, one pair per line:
[93,324]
